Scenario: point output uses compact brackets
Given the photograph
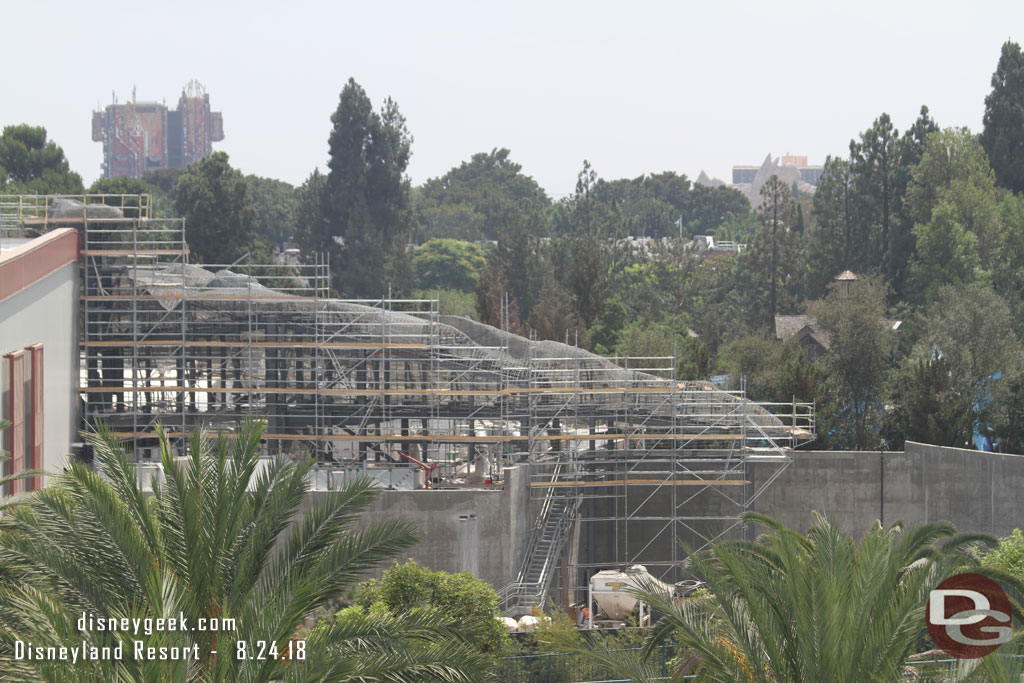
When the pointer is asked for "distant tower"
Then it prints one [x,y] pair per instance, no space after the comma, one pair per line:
[133,136]
[200,127]
[146,136]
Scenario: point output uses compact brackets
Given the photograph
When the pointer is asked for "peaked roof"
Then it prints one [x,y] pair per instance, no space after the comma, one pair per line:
[800,326]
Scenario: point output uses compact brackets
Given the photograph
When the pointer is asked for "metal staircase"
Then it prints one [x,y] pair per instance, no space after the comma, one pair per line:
[547,540]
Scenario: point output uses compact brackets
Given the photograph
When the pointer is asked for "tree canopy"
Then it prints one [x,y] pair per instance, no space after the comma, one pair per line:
[274,204]
[478,199]
[214,200]
[31,164]
[1003,133]
[361,212]
[449,264]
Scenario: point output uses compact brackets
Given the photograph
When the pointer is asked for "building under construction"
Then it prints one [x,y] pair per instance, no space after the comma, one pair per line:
[623,461]
[147,136]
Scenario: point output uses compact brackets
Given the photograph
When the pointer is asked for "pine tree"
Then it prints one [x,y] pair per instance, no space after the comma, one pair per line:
[365,204]
[774,249]
[1003,136]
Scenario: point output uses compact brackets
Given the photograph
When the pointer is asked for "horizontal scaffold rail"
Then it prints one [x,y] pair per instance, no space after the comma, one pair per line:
[135,252]
[256,344]
[458,438]
[639,482]
[376,392]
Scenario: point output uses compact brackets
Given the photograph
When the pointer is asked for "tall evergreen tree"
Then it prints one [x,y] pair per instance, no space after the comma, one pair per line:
[365,200]
[774,248]
[1003,136]
[875,160]
[834,245]
[901,241]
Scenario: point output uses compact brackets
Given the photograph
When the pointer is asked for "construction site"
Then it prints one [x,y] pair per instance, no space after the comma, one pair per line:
[620,463]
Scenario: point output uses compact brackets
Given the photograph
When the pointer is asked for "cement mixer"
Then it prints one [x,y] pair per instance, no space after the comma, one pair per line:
[614,593]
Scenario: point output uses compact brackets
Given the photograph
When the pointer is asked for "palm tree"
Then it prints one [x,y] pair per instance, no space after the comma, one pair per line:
[219,538]
[819,607]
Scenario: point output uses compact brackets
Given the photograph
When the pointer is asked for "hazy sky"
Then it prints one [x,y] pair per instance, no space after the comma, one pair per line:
[633,87]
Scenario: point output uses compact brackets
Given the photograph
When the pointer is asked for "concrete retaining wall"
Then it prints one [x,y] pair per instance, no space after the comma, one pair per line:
[480,531]
[976,491]
[486,532]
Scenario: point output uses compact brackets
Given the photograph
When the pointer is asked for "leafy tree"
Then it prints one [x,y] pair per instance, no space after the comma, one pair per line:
[163,184]
[716,300]
[492,301]
[451,301]
[648,217]
[553,316]
[946,254]
[651,204]
[364,216]
[275,205]
[858,355]
[516,269]
[31,164]
[737,227]
[166,180]
[461,597]
[216,539]
[971,327]
[666,188]
[1008,276]
[122,186]
[588,276]
[643,338]
[478,199]
[1006,412]
[954,169]
[770,370]
[927,407]
[449,264]
[1003,135]
[820,607]
[706,208]
[1008,556]
[213,198]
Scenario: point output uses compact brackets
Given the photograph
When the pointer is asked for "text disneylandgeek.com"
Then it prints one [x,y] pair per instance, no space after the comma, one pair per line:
[141,650]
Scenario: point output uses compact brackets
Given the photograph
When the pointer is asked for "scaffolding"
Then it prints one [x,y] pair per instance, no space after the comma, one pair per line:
[624,460]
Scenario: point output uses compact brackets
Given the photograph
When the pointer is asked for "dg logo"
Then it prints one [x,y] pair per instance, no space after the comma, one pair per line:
[968,616]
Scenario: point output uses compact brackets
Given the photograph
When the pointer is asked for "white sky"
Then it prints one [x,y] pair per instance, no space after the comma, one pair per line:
[633,87]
